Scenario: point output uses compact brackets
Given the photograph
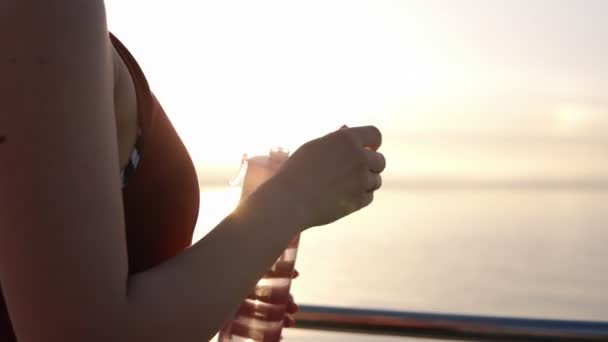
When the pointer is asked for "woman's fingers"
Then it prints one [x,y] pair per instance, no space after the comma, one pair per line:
[289,321]
[375,160]
[366,199]
[367,136]
[295,274]
[374,181]
[292,307]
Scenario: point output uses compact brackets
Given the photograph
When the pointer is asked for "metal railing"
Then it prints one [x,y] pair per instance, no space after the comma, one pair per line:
[448,326]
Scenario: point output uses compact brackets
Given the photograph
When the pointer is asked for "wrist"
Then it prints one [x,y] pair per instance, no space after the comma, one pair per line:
[284,204]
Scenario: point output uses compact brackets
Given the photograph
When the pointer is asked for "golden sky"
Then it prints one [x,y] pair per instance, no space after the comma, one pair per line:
[461,88]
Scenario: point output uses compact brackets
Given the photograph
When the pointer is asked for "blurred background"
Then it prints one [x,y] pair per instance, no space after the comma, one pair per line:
[495,121]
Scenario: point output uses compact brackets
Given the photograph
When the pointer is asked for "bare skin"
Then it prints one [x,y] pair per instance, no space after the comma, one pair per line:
[63,257]
[125,109]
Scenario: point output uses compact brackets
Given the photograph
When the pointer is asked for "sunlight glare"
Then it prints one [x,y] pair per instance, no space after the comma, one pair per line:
[216,204]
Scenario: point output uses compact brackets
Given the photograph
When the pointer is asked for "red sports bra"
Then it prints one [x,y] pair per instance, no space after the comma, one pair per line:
[161,193]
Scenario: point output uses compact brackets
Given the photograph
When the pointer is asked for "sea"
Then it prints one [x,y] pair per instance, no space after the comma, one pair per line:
[500,251]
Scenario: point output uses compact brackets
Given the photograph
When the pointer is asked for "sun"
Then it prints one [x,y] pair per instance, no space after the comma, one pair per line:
[571,118]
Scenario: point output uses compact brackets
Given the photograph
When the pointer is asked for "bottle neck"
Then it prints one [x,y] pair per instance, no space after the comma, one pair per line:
[259,169]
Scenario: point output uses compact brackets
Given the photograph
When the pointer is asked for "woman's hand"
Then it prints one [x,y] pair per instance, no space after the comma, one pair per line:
[248,309]
[291,309]
[333,176]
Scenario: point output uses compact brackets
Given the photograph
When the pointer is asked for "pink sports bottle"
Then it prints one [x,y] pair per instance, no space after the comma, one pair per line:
[260,316]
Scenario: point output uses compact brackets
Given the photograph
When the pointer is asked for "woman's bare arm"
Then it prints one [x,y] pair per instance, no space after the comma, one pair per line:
[189,297]
[63,254]
[63,257]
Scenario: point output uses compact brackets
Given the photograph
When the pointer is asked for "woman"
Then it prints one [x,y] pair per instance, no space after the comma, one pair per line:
[84,257]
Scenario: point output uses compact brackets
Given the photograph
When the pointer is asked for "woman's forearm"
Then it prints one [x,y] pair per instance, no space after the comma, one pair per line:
[190,296]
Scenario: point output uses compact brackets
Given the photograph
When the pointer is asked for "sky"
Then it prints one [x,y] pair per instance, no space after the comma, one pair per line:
[475,89]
